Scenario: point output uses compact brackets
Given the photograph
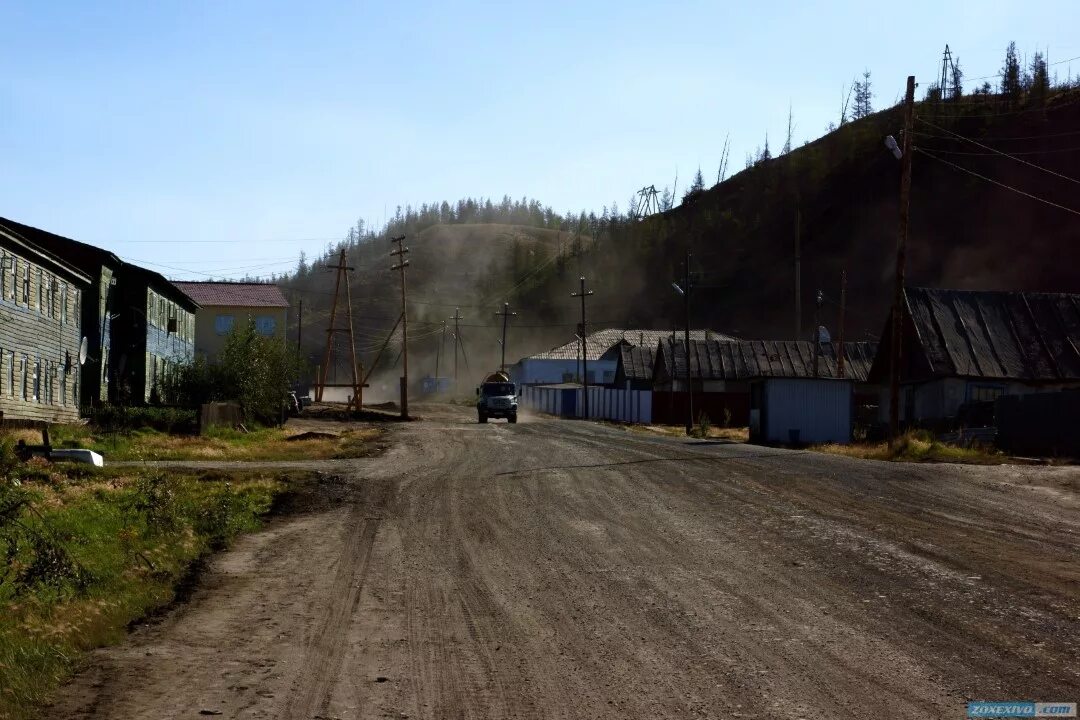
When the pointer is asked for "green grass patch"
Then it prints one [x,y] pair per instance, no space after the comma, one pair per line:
[916,446]
[87,551]
[220,443]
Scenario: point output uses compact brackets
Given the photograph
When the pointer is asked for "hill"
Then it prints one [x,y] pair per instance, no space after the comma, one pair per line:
[840,194]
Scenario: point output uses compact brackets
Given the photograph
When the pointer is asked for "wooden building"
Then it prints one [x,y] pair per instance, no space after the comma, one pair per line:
[137,324]
[41,297]
[961,347]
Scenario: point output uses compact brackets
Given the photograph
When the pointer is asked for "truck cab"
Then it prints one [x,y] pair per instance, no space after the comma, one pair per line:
[497,398]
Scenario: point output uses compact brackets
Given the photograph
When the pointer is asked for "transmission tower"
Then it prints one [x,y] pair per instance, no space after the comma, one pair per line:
[946,68]
[648,202]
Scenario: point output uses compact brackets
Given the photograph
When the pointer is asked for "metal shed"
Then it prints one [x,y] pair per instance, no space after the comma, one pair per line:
[801,410]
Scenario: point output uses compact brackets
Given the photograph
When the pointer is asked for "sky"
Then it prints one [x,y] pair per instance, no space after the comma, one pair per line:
[224,138]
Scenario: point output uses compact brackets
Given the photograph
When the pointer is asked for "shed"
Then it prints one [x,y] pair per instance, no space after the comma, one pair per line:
[800,410]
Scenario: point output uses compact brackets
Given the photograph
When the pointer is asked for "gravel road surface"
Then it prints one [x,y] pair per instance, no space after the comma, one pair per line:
[556,569]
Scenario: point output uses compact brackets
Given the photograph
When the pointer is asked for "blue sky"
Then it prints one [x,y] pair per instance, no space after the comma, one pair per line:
[226,137]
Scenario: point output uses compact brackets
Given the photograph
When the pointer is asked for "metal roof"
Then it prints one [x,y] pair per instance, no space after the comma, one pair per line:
[234,294]
[997,335]
[749,359]
[600,342]
[636,362]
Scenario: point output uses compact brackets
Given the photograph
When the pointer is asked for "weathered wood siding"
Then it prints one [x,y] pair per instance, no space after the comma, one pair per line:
[40,332]
[165,350]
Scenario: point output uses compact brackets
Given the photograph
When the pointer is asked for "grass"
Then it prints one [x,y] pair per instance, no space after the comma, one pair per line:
[87,551]
[219,444]
[916,446]
[731,434]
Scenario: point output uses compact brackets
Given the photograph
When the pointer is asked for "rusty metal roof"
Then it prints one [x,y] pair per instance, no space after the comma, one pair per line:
[991,334]
[749,359]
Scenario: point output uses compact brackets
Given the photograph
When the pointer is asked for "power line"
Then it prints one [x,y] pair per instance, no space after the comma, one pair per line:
[999,152]
[989,154]
[1006,139]
[999,184]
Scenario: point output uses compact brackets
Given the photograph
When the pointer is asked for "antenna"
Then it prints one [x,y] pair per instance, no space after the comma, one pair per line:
[84,351]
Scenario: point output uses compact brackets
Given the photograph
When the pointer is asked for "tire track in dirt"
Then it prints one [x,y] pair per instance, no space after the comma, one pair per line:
[321,665]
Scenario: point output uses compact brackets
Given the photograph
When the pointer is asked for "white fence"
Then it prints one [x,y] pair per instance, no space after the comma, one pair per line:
[620,405]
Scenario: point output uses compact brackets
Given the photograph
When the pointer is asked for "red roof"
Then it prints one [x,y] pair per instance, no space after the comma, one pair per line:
[235,294]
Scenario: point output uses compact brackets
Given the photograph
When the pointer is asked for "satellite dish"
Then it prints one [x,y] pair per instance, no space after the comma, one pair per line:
[84,350]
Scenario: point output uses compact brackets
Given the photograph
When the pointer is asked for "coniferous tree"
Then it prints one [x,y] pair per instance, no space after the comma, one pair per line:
[1011,86]
[1040,81]
[790,129]
[863,97]
[957,81]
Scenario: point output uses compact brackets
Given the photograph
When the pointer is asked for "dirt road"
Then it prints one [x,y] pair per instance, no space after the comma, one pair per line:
[569,570]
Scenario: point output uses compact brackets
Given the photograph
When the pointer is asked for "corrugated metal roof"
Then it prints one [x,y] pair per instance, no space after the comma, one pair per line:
[747,359]
[636,362]
[600,342]
[990,334]
[234,294]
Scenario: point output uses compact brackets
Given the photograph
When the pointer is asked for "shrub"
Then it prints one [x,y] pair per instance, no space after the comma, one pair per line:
[117,418]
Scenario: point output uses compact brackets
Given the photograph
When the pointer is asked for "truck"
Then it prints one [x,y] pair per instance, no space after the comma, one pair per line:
[497,397]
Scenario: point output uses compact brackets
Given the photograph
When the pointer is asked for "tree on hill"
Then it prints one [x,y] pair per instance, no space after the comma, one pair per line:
[1039,84]
[863,97]
[956,80]
[1011,86]
[696,188]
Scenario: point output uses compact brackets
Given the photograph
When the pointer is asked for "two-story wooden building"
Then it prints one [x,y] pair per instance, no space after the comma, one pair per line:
[138,325]
[41,299]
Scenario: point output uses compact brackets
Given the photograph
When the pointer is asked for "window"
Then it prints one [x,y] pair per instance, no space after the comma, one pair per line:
[26,284]
[24,377]
[77,303]
[4,260]
[985,393]
[223,324]
[11,374]
[37,381]
[63,304]
[265,325]
[41,291]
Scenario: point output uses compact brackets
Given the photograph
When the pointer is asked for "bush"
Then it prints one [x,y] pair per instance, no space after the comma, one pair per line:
[252,370]
[174,420]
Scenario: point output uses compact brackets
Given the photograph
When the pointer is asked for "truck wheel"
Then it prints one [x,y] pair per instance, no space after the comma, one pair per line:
[512,418]
[483,418]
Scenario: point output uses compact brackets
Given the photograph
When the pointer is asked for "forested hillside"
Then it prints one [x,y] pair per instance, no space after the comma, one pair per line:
[993,206]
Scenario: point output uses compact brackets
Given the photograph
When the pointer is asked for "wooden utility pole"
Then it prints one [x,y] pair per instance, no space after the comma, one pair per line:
[901,258]
[506,314]
[300,326]
[840,345]
[798,276]
[438,354]
[686,336]
[817,332]
[457,339]
[583,293]
[402,263]
[356,398]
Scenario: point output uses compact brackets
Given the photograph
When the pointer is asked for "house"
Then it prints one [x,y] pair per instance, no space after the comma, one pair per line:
[41,297]
[563,363]
[634,368]
[965,346]
[226,305]
[723,374]
[137,324]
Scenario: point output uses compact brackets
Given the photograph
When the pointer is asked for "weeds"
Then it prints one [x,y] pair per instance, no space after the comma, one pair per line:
[86,553]
[916,446]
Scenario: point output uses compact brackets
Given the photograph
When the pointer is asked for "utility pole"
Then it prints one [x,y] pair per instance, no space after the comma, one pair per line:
[438,354]
[300,326]
[400,253]
[343,271]
[798,275]
[843,304]
[457,339]
[901,257]
[686,335]
[817,332]
[506,314]
[583,293]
